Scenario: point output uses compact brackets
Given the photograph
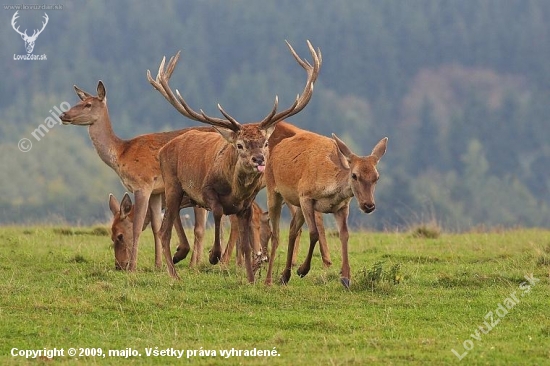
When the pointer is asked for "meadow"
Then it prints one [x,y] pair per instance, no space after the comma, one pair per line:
[477,298]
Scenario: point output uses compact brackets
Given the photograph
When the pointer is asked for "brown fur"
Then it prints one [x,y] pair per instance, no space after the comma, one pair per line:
[316,174]
[219,179]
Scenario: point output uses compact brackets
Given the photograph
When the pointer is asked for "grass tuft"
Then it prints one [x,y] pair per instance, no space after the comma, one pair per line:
[94,231]
[426,231]
[378,278]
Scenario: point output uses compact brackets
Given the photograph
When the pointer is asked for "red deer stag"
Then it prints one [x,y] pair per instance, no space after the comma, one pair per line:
[320,174]
[226,172]
[136,163]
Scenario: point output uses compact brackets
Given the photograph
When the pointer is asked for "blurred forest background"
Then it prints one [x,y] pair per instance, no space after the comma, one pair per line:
[461,88]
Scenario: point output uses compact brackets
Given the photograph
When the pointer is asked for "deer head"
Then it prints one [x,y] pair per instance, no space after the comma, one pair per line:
[363,174]
[29,40]
[89,109]
[249,140]
[121,229]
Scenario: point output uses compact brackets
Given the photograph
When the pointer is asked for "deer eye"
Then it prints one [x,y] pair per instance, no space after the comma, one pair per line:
[265,145]
[240,146]
[353,176]
[88,105]
[120,237]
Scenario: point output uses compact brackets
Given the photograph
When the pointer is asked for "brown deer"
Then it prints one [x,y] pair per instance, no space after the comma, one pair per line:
[226,173]
[122,235]
[136,163]
[316,174]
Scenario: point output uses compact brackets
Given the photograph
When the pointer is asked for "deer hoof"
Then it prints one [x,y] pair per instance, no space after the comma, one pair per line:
[302,271]
[285,277]
[180,255]
[345,282]
[214,258]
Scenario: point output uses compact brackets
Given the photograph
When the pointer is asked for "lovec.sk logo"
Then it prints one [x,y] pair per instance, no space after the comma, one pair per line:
[29,40]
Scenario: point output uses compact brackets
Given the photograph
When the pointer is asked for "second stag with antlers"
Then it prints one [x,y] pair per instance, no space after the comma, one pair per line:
[226,172]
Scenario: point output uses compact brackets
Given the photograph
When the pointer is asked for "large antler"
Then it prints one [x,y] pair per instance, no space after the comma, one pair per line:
[301,100]
[164,74]
[161,84]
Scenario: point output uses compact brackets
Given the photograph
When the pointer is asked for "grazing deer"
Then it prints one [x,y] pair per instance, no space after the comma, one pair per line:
[136,163]
[226,172]
[316,174]
[122,236]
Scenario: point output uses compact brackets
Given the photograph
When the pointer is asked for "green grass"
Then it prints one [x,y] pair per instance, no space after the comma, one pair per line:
[412,300]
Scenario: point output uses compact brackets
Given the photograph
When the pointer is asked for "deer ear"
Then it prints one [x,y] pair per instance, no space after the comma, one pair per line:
[343,148]
[101,92]
[125,206]
[380,148]
[81,93]
[227,134]
[114,206]
[268,131]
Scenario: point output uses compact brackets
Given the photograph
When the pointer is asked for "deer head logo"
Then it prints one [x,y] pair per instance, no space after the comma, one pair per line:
[29,40]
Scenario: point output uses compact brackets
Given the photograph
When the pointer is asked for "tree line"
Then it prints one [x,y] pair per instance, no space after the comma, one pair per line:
[460,88]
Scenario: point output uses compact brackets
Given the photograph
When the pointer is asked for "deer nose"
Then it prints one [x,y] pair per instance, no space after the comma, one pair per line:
[258,159]
[368,207]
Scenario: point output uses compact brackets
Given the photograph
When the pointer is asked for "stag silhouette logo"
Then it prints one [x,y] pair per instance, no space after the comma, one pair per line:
[29,40]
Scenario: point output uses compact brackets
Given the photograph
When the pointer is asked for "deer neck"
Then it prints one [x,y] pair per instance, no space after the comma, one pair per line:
[243,182]
[344,181]
[106,143]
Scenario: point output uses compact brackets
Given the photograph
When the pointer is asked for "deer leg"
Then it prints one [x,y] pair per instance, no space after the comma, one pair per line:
[216,251]
[256,245]
[274,204]
[341,217]
[141,198]
[155,205]
[183,247]
[306,206]
[245,218]
[323,246]
[292,210]
[233,238]
[174,195]
[200,225]
[265,235]
[295,229]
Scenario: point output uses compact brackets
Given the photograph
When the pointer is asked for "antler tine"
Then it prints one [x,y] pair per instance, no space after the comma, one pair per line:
[178,102]
[301,100]
[272,113]
[229,118]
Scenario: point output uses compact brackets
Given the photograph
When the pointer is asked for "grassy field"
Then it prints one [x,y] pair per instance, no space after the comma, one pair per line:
[457,298]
